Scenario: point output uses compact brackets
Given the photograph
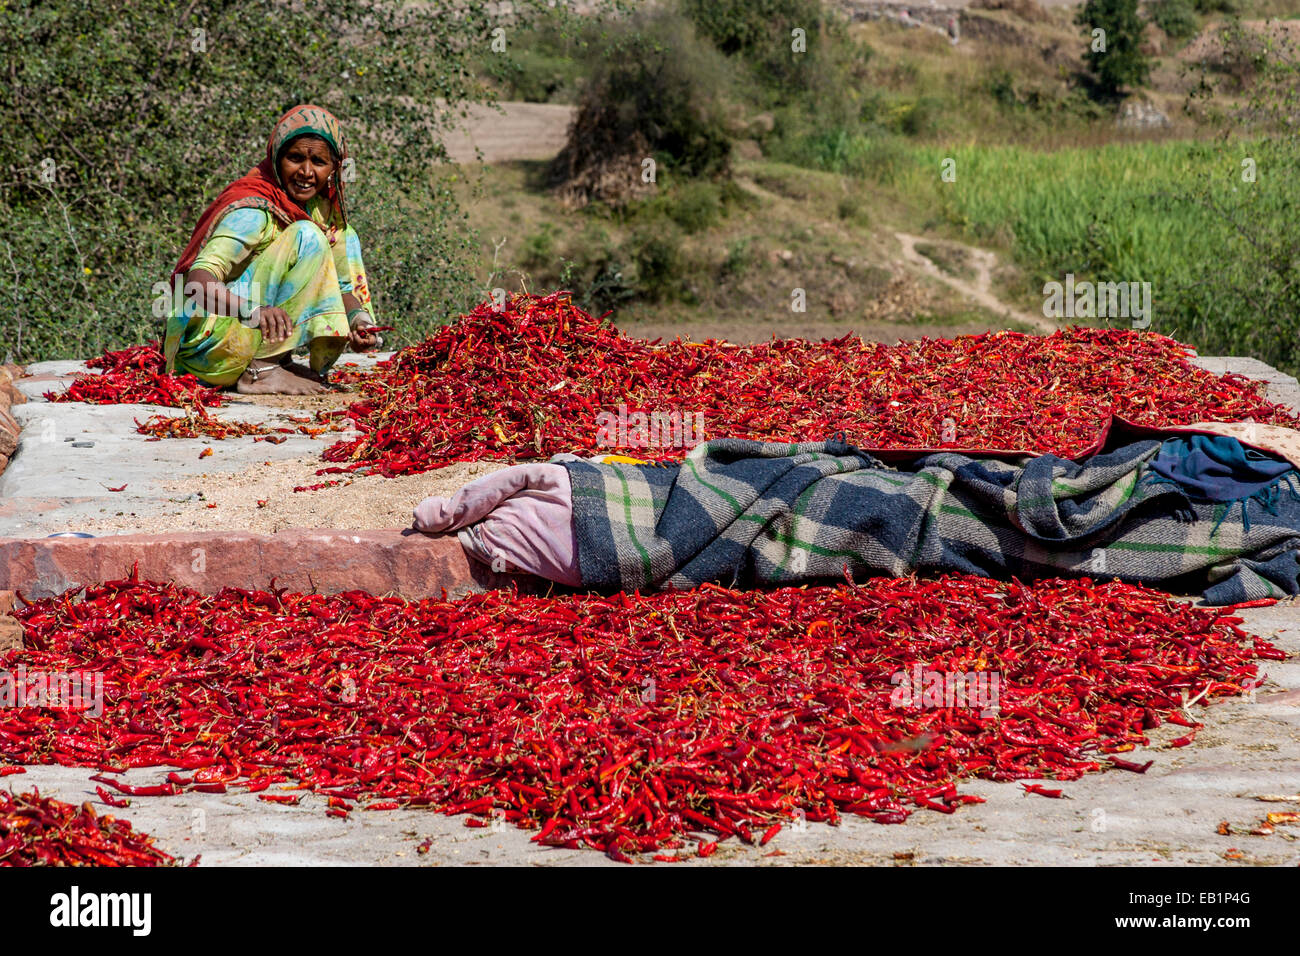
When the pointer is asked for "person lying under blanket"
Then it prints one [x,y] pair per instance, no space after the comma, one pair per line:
[1189,506]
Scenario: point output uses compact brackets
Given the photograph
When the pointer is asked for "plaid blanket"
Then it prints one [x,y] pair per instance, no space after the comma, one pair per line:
[747,513]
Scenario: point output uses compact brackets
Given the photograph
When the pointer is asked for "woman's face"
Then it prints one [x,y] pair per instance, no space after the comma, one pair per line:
[305,168]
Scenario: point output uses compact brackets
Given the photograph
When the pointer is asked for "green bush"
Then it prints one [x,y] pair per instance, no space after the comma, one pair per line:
[853,209]
[818,128]
[1218,6]
[831,149]
[597,272]
[545,63]
[919,116]
[761,33]
[603,275]
[538,77]
[695,205]
[879,156]
[1122,63]
[656,252]
[653,85]
[126,120]
[539,248]
[1001,85]
[1176,17]
[740,258]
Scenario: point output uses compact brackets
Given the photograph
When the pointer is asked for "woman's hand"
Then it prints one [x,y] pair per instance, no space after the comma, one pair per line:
[273,321]
[359,324]
[363,340]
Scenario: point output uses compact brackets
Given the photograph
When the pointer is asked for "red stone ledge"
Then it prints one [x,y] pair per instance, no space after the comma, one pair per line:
[407,564]
[9,428]
[11,632]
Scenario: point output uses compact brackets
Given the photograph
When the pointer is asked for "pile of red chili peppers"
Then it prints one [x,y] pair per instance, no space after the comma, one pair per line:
[41,831]
[136,376]
[623,723]
[532,379]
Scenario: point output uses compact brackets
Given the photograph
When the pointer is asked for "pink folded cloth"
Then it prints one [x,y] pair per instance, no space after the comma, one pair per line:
[518,519]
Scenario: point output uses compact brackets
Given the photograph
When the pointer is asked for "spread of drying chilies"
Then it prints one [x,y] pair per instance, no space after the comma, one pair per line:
[625,723]
[136,376]
[534,379]
[41,831]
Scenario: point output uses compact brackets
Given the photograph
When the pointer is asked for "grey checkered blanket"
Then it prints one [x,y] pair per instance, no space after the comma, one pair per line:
[746,513]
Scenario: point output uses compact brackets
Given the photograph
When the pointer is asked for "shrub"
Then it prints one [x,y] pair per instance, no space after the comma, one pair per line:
[539,248]
[740,257]
[851,208]
[695,205]
[657,256]
[919,116]
[831,149]
[599,274]
[655,90]
[1122,63]
[1245,60]
[539,77]
[1001,86]
[760,32]
[1176,17]
[545,63]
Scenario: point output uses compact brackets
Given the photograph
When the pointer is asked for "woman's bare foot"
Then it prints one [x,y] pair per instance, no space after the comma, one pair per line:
[301,370]
[276,379]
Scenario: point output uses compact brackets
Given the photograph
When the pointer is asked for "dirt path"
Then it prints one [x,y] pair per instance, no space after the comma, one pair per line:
[979,292]
[516,131]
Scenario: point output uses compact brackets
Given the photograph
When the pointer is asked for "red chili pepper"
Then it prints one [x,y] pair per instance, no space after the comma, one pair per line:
[1261,602]
[1042,791]
[552,368]
[148,790]
[1129,765]
[135,376]
[289,799]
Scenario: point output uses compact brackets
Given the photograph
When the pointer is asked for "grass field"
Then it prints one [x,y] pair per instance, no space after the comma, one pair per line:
[1111,210]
